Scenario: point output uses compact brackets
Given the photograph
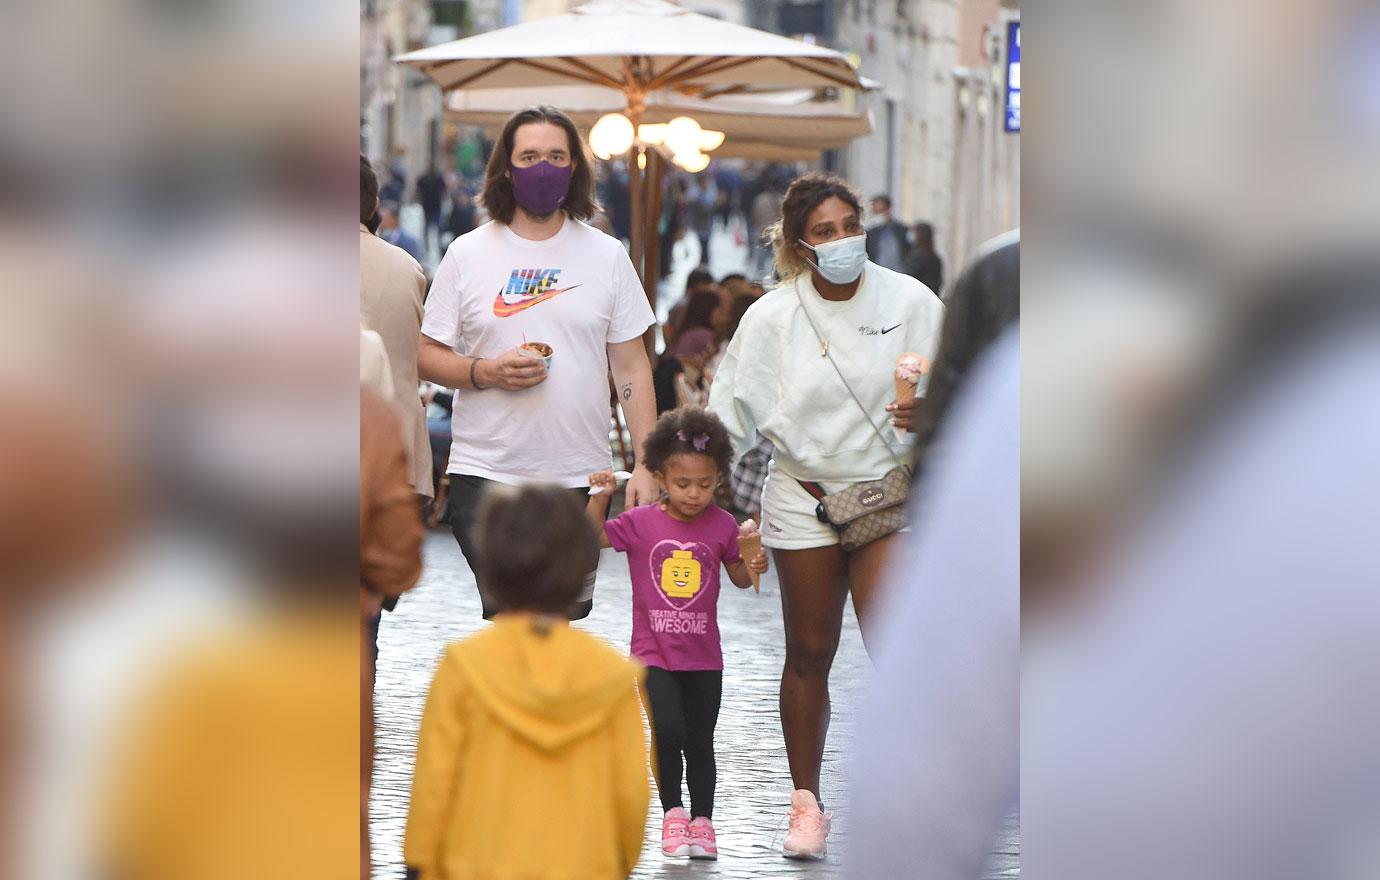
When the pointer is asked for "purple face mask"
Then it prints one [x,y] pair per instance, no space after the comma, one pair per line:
[541,188]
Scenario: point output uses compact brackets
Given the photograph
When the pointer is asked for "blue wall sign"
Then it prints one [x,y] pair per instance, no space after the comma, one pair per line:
[1013,76]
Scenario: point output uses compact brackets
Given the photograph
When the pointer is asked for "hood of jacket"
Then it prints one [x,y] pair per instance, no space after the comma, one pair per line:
[547,682]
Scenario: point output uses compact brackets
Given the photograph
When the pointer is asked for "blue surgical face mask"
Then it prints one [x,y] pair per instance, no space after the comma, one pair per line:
[841,261]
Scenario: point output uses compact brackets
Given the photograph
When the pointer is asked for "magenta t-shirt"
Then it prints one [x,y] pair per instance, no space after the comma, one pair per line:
[675,582]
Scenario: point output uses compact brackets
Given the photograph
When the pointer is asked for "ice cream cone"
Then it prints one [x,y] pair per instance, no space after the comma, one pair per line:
[749,546]
[905,392]
[909,368]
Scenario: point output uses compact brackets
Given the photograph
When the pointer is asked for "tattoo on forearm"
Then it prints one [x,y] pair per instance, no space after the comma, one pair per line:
[627,391]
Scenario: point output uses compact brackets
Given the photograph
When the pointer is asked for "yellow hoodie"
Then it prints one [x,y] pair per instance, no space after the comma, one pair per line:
[532,760]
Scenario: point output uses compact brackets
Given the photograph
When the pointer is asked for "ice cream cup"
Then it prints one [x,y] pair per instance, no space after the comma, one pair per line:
[539,350]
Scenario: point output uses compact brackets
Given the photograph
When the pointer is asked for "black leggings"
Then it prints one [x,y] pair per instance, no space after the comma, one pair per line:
[684,709]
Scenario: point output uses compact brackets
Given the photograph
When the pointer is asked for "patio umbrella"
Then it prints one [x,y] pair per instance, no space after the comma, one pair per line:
[636,47]
[784,126]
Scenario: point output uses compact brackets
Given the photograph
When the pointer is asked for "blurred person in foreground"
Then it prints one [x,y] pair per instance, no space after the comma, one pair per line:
[778,379]
[532,756]
[1215,674]
[984,302]
[1199,686]
[240,755]
[391,288]
[390,559]
[936,758]
[240,759]
[537,273]
[1208,662]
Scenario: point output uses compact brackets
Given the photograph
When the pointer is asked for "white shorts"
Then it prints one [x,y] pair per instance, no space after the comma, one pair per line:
[788,515]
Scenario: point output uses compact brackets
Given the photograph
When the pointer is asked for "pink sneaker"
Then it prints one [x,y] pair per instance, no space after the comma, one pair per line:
[702,842]
[675,833]
[809,828]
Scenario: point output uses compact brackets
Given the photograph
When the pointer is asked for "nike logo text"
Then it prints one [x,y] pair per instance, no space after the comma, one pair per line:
[873,331]
[526,288]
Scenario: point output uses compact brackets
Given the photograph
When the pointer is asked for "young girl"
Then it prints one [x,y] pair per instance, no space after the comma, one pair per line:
[674,551]
[531,761]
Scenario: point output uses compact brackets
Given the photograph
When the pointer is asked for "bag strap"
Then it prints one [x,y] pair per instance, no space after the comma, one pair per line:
[825,347]
[814,489]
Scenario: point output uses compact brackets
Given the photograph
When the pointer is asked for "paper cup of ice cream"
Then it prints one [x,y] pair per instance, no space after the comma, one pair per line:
[539,350]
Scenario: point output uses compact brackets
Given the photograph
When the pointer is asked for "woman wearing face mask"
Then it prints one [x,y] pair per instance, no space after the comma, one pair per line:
[811,368]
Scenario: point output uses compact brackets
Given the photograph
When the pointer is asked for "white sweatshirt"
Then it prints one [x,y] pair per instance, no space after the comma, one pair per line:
[773,378]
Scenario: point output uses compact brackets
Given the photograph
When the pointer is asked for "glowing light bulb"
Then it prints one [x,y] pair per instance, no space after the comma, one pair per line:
[692,162]
[612,135]
[710,140]
[652,133]
[683,135]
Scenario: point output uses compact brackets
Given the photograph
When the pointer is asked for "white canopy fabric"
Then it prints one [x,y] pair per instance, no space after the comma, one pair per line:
[636,47]
[785,126]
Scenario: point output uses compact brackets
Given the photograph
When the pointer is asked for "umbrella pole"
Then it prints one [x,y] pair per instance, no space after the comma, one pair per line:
[639,241]
[651,241]
[635,209]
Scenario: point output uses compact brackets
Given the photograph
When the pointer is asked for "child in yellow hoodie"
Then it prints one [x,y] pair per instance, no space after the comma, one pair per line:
[532,757]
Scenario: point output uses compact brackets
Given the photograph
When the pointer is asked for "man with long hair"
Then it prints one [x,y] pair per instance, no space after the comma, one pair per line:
[537,273]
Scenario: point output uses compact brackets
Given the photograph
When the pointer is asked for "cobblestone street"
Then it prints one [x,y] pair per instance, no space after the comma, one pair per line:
[754,787]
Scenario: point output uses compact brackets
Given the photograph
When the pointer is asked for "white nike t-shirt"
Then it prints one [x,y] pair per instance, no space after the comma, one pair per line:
[575,291]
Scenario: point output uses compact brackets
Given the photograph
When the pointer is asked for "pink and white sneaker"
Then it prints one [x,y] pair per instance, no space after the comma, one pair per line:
[702,842]
[809,828]
[675,833]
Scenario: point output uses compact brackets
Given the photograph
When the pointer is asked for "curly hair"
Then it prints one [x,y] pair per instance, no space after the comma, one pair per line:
[805,193]
[689,430]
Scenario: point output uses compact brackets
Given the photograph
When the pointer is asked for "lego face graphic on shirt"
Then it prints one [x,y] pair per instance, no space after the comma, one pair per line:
[527,288]
[680,575]
[679,570]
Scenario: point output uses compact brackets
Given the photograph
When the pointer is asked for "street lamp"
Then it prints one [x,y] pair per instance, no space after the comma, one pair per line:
[611,136]
[683,137]
[694,162]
